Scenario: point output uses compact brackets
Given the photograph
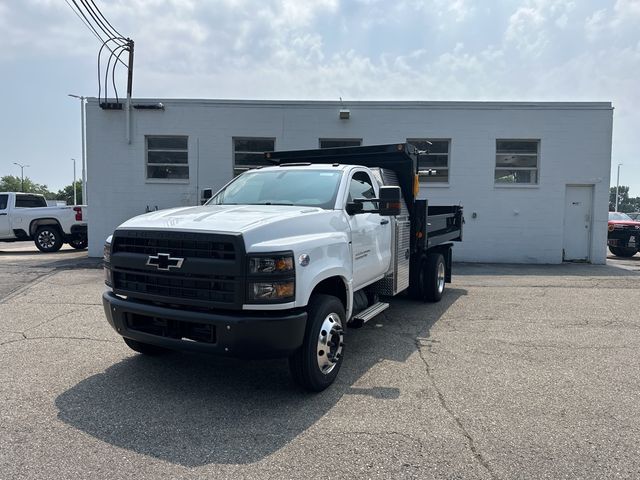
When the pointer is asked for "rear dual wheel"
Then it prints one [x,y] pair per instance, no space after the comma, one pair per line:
[428,278]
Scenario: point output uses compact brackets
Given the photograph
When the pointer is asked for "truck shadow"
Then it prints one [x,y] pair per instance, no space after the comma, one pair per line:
[194,410]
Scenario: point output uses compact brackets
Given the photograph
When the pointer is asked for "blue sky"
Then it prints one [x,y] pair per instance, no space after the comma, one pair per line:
[581,50]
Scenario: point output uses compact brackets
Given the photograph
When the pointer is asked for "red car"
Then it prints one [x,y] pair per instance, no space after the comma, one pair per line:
[624,235]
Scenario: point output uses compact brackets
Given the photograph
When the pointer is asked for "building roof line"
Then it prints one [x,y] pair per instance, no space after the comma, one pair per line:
[478,105]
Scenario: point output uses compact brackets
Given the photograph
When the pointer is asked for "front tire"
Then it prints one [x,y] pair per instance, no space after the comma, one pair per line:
[144,348]
[315,365]
[48,238]
[625,252]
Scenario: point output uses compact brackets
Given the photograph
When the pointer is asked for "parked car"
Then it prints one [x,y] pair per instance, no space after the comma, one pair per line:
[624,235]
[26,216]
[634,216]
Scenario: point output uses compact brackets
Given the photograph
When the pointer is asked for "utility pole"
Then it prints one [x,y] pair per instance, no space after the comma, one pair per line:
[22,167]
[618,188]
[75,200]
[84,155]
[129,89]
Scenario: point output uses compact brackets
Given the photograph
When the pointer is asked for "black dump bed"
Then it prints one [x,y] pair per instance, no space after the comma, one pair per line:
[430,225]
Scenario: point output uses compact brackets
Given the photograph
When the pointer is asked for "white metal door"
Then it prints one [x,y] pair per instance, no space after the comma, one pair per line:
[577,222]
[370,234]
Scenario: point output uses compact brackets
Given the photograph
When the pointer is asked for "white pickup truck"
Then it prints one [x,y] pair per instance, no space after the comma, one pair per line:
[26,216]
[282,259]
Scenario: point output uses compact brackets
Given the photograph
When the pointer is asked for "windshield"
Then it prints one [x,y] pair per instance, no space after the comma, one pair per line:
[306,188]
[619,216]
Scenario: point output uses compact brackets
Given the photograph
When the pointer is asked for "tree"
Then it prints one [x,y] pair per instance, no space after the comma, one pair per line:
[625,204]
[11,183]
[67,193]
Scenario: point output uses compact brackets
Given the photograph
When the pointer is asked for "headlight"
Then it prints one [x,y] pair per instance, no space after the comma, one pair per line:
[272,290]
[107,250]
[281,263]
[107,263]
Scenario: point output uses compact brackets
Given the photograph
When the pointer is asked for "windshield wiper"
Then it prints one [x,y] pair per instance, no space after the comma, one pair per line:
[271,203]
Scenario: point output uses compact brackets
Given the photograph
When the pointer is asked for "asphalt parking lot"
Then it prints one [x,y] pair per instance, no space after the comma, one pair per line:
[520,372]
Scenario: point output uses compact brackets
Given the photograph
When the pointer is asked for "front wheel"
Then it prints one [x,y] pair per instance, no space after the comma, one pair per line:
[625,252]
[316,363]
[48,238]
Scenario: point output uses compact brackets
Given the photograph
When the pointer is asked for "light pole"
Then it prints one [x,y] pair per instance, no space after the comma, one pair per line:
[84,159]
[75,200]
[618,187]
[22,167]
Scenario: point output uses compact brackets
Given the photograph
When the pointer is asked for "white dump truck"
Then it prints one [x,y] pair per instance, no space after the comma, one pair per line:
[282,259]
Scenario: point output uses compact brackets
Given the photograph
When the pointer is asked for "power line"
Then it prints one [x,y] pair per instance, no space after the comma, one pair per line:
[105,19]
[91,29]
[98,22]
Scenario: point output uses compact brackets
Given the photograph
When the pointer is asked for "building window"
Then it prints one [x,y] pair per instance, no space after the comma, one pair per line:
[517,161]
[340,142]
[434,165]
[248,153]
[167,158]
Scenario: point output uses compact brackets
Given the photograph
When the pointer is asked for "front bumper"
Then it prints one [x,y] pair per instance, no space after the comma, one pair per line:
[242,334]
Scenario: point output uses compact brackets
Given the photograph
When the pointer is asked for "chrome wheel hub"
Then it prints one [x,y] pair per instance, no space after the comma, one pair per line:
[46,239]
[441,277]
[330,343]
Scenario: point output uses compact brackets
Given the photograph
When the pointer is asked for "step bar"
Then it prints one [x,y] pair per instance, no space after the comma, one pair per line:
[367,314]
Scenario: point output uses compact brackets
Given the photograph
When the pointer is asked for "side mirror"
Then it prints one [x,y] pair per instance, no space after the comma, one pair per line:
[389,202]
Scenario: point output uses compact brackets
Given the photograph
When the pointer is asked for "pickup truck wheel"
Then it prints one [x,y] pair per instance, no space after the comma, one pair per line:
[435,274]
[623,251]
[316,364]
[79,243]
[144,348]
[48,238]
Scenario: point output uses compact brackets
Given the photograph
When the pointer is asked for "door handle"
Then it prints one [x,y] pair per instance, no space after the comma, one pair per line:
[1,214]
[384,222]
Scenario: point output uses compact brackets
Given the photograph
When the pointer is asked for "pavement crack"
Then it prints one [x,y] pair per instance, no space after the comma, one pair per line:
[443,403]
[53,337]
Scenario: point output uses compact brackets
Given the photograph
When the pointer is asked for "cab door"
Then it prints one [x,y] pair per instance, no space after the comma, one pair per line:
[370,233]
[5,227]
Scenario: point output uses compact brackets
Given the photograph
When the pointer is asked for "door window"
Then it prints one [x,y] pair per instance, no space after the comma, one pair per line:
[3,201]
[361,186]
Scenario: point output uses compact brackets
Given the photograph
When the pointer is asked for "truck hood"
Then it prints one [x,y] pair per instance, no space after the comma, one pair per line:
[217,218]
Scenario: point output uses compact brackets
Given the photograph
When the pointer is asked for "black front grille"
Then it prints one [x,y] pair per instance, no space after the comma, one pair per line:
[168,328]
[177,247]
[206,270]
[208,288]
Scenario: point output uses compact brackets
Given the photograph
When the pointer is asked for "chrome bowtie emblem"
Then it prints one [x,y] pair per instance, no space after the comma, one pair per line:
[164,261]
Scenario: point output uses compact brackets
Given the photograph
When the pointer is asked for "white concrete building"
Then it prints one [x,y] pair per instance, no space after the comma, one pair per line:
[533,177]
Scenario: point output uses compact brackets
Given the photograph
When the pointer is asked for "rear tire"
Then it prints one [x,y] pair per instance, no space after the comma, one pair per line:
[48,238]
[625,252]
[315,365]
[144,348]
[428,278]
[79,243]
[436,272]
